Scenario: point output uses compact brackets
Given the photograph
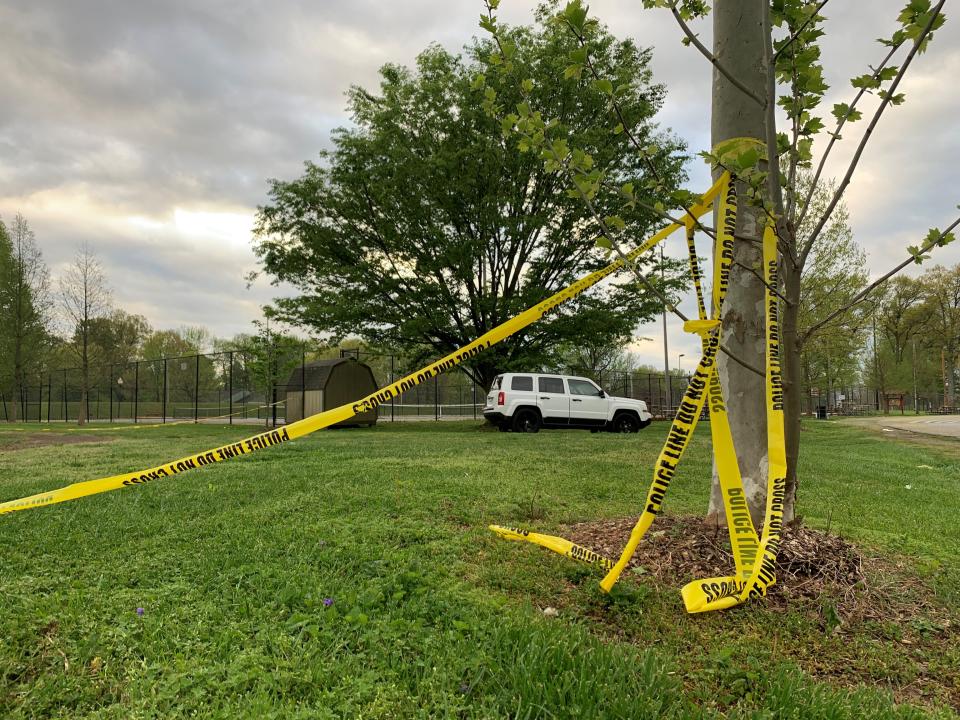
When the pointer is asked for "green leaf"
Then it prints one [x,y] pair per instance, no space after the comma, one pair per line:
[573,71]
[576,14]
[604,86]
[888,73]
[842,111]
[615,221]
[604,242]
[748,158]
[865,82]
[527,85]
[916,253]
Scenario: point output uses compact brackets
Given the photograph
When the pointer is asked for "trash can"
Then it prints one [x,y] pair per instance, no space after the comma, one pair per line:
[821,412]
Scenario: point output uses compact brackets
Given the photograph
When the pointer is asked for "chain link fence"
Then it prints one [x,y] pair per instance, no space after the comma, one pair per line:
[237,387]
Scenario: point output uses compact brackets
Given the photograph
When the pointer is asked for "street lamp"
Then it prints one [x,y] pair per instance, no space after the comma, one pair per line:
[679,369]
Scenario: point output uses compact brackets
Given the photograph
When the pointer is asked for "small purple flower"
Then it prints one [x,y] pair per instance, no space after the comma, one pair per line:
[327,602]
[140,612]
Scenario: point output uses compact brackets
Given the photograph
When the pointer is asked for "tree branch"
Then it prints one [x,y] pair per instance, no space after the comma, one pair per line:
[713,60]
[859,297]
[773,159]
[801,28]
[834,136]
[918,43]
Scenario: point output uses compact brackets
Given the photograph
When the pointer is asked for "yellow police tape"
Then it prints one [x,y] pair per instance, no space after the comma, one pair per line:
[752,578]
[557,544]
[324,419]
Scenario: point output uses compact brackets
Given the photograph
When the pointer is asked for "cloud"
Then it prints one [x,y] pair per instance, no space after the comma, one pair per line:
[150,129]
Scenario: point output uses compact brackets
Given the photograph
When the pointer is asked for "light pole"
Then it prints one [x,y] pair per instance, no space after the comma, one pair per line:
[668,395]
[680,369]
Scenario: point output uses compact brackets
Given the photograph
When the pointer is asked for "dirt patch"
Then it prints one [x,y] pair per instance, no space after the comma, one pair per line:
[26,441]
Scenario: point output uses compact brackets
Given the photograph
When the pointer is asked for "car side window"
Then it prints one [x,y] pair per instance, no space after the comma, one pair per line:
[521,382]
[551,385]
[496,382]
[583,387]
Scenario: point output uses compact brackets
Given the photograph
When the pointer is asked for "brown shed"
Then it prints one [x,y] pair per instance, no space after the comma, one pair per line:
[327,384]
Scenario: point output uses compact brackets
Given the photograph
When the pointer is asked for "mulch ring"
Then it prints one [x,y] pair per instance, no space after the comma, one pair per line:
[812,566]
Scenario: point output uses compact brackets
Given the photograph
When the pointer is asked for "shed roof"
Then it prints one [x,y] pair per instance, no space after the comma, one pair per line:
[316,373]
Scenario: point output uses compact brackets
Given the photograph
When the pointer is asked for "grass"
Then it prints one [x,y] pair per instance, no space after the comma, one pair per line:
[432,616]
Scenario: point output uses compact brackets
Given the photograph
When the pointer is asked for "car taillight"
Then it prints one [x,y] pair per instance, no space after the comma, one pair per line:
[500,398]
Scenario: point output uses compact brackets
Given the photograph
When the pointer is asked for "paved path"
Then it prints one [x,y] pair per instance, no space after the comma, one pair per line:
[943,425]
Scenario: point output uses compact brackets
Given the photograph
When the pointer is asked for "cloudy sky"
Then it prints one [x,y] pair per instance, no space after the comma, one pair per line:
[149,128]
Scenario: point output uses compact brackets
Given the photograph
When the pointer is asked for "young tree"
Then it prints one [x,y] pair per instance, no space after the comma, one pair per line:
[24,286]
[753,73]
[85,298]
[424,228]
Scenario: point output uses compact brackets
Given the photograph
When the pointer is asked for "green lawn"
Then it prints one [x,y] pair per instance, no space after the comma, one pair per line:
[431,615]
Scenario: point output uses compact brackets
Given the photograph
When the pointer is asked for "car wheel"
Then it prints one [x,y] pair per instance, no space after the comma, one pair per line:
[626,423]
[526,421]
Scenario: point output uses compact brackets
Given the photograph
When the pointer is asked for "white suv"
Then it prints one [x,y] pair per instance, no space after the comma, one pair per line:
[525,402]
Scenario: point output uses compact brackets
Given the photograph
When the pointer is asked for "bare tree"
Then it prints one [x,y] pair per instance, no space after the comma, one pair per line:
[85,297]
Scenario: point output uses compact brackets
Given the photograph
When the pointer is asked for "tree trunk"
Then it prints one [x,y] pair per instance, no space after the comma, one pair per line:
[738,44]
[15,405]
[792,387]
[84,381]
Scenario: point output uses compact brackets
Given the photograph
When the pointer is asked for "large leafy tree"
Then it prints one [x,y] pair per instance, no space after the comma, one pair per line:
[429,224]
[24,317]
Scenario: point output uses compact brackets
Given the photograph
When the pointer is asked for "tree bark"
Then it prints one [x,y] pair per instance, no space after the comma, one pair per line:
[738,44]
[792,387]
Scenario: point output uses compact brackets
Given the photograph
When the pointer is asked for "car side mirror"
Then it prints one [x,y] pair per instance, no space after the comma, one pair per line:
[602,394]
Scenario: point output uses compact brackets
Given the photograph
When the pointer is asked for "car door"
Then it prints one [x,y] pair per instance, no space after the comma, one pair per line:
[588,405]
[553,401]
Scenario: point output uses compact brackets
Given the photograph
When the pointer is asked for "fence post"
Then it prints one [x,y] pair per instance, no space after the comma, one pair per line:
[474,383]
[65,407]
[49,396]
[303,384]
[230,388]
[110,389]
[196,393]
[393,398]
[436,397]
[136,392]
